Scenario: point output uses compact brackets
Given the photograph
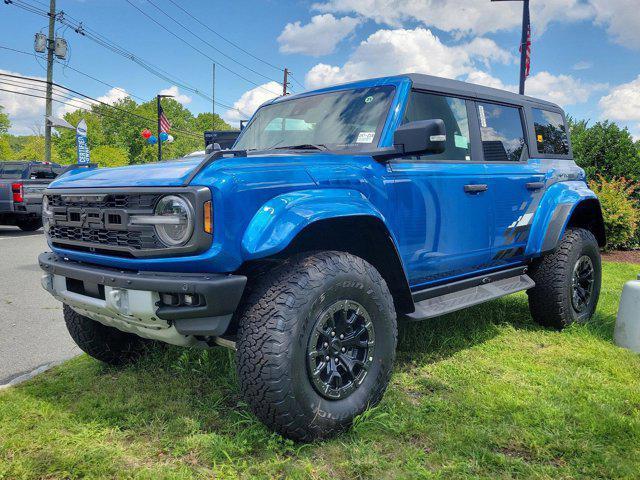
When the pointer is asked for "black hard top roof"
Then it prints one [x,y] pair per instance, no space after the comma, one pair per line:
[446,85]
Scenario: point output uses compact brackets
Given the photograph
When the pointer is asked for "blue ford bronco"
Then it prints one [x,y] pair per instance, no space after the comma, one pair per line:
[337,213]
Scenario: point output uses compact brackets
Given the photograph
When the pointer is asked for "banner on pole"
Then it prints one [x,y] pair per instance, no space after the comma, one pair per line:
[81,143]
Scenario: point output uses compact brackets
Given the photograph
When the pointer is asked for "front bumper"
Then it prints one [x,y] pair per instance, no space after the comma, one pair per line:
[131,301]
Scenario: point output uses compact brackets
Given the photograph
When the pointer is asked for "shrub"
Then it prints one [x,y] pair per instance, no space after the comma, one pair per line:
[619,209]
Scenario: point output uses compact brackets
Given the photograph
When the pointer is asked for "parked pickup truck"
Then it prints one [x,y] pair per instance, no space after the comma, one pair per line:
[21,187]
[338,212]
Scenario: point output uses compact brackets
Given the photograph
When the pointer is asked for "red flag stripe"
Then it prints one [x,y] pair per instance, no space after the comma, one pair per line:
[165,124]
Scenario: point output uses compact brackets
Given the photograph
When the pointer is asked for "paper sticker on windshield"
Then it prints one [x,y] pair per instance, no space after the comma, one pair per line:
[365,137]
[483,119]
[369,99]
[461,141]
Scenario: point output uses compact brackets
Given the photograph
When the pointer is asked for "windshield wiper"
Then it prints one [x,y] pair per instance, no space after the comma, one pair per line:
[304,146]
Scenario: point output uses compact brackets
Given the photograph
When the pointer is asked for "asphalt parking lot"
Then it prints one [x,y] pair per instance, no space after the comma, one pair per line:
[33,332]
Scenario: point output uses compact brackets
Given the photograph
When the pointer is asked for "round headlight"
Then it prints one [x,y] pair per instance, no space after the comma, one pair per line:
[177,220]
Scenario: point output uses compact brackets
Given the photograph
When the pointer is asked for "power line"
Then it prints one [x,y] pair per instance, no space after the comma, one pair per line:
[186,42]
[207,43]
[103,41]
[224,38]
[123,110]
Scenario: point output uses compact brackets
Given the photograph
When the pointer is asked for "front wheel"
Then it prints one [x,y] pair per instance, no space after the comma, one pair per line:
[567,281]
[316,344]
[30,225]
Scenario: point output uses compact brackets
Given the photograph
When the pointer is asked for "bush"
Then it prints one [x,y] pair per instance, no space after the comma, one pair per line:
[619,209]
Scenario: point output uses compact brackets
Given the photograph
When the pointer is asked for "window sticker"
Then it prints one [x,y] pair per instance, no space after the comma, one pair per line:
[483,118]
[369,99]
[365,137]
[461,141]
[540,139]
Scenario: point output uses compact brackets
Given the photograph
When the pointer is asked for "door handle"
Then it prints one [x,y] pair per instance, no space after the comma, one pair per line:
[535,185]
[476,188]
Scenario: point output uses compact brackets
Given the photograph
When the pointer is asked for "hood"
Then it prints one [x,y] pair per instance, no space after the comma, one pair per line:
[166,174]
[174,173]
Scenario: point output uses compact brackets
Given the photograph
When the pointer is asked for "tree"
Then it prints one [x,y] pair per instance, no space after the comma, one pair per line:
[108,156]
[5,149]
[33,149]
[605,149]
[5,124]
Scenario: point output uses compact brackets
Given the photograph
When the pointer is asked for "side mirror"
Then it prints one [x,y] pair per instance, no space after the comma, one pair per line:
[421,137]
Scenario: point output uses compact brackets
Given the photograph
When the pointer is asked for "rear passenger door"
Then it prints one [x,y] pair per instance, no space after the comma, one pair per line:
[443,220]
[515,182]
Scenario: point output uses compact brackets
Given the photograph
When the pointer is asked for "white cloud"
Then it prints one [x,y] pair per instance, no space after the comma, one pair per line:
[26,113]
[582,65]
[319,37]
[461,17]
[177,96]
[250,100]
[392,52]
[561,89]
[621,18]
[623,103]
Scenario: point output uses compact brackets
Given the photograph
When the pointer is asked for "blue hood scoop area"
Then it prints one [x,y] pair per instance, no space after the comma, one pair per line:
[166,174]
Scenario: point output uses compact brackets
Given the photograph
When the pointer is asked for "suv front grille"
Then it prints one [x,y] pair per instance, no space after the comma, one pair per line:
[100,222]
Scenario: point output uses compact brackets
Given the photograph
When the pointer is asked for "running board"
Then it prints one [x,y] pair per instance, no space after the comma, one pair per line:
[451,302]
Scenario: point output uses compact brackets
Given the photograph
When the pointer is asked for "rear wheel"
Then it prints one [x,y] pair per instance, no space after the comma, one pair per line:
[316,344]
[107,344]
[567,281]
[30,225]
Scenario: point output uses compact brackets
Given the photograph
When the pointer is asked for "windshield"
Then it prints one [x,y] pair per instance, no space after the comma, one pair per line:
[345,119]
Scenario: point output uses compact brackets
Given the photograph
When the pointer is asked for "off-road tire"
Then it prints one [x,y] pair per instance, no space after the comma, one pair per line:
[550,301]
[107,344]
[30,225]
[275,324]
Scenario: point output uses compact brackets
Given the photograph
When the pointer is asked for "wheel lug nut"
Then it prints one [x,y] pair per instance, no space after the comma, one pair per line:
[336,359]
[341,336]
[333,334]
[371,359]
[325,344]
[327,358]
[344,349]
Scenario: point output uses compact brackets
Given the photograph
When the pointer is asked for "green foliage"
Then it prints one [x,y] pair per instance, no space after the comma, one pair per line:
[108,127]
[619,209]
[5,124]
[33,149]
[6,153]
[482,393]
[605,149]
[108,156]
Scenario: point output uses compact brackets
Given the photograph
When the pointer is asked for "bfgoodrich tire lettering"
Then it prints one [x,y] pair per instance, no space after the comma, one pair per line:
[103,343]
[552,301]
[275,325]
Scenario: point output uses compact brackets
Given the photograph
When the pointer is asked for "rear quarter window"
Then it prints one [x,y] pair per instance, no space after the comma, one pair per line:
[551,132]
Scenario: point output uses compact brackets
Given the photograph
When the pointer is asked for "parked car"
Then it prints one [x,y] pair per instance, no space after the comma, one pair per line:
[337,212]
[21,187]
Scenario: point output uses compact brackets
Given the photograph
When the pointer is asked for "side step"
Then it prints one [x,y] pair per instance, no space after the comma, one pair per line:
[450,302]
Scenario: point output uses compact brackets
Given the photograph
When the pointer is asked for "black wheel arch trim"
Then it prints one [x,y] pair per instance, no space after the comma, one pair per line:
[585,214]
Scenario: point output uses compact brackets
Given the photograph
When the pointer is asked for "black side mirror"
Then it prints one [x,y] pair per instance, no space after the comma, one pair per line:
[421,137]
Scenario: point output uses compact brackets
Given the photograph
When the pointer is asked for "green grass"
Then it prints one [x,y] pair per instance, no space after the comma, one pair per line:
[482,393]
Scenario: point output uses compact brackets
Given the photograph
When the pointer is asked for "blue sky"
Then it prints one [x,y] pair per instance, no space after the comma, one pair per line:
[586,53]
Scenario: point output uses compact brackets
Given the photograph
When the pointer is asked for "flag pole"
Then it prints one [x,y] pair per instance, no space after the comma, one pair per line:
[159,142]
[524,44]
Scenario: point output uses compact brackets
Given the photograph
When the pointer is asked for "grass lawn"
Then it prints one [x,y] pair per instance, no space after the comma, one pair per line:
[482,393]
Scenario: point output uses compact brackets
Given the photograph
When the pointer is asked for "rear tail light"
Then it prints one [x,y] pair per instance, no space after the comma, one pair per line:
[17,190]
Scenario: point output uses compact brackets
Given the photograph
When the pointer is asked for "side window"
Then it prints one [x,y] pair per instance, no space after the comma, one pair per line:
[501,132]
[551,134]
[453,111]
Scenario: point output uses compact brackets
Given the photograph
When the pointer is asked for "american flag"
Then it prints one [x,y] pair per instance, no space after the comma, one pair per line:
[165,124]
[527,62]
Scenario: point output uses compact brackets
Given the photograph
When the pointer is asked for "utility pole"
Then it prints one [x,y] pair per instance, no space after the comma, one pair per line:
[285,82]
[159,128]
[48,108]
[213,98]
